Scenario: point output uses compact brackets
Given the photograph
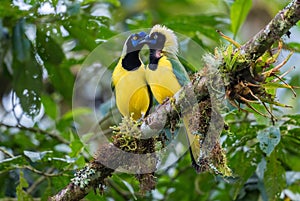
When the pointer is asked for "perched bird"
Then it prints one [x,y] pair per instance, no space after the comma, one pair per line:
[128,80]
[165,74]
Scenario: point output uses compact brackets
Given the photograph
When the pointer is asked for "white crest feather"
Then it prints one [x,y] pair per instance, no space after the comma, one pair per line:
[171,44]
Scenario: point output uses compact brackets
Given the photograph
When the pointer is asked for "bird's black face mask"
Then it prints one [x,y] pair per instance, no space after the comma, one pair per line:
[156,42]
[134,42]
[131,60]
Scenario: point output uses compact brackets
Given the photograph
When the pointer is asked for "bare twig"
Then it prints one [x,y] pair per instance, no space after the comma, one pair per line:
[38,181]
[37,130]
[6,152]
[42,173]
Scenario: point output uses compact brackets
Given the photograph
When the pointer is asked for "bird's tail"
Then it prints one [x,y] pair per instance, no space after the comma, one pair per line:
[193,143]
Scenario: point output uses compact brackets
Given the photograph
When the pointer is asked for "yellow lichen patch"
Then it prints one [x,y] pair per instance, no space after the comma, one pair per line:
[126,134]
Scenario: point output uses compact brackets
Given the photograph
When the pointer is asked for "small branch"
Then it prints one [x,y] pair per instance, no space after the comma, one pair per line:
[6,152]
[74,192]
[37,130]
[38,181]
[70,193]
[278,26]
[40,172]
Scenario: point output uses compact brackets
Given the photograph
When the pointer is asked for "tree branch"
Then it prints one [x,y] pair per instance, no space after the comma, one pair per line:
[252,50]
[38,130]
[279,25]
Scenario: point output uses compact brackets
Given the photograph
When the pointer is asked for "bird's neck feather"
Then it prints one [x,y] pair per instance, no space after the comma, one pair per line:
[131,61]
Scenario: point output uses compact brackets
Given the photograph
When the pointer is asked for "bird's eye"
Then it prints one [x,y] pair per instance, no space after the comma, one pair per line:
[155,36]
[134,37]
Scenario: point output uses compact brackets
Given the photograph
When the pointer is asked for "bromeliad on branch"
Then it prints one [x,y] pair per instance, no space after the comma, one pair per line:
[252,82]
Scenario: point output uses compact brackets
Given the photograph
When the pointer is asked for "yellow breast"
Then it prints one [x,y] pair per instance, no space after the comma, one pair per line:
[162,81]
[131,91]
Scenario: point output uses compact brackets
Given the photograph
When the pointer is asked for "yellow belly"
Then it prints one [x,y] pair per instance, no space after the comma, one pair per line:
[131,91]
[162,81]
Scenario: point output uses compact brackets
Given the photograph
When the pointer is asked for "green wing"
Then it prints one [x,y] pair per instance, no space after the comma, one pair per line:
[179,72]
[187,65]
[112,86]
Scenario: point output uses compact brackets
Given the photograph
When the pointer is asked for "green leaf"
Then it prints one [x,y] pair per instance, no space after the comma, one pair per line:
[187,65]
[243,165]
[130,188]
[112,2]
[274,178]
[21,44]
[62,80]
[87,137]
[54,60]
[294,119]
[141,20]
[262,120]
[77,112]
[196,25]
[76,145]
[80,161]
[121,180]
[12,163]
[48,49]
[295,46]
[89,30]
[50,106]
[238,13]
[198,20]
[268,139]
[290,143]
[61,163]
[10,12]
[23,183]
[73,8]
[36,156]
[60,182]
[274,85]
[27,74]
[47,192]
[21,194]
[54,2]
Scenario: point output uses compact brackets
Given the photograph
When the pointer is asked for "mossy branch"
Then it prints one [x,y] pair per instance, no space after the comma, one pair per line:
[279,26]
[96,173]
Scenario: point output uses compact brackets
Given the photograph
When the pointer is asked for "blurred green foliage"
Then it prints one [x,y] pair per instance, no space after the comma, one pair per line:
[43,44]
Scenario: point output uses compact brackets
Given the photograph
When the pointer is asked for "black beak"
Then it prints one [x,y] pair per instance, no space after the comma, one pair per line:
[147,40]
